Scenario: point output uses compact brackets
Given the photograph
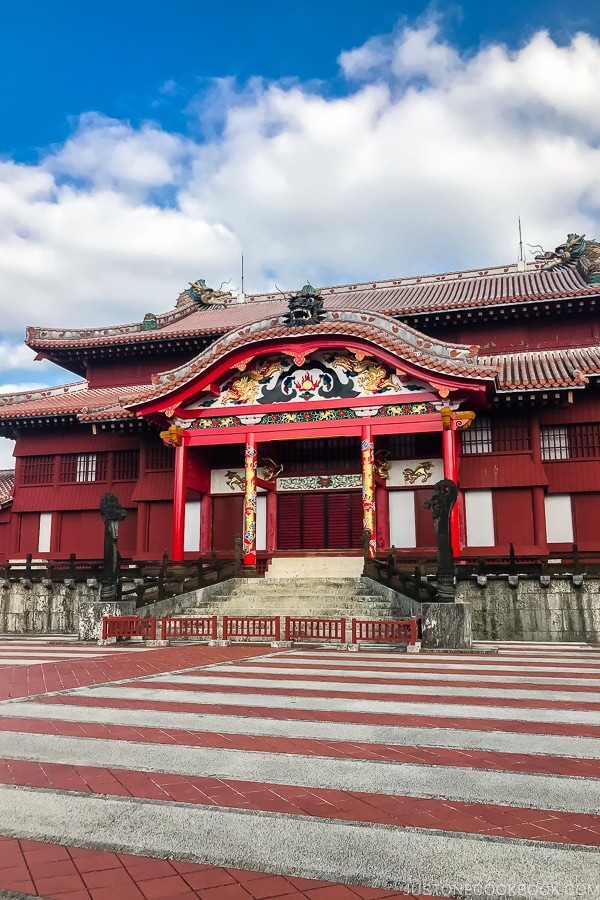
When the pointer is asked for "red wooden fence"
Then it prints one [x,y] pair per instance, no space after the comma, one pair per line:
[300,629]
[128,627]
[189,627]
[389,631]
[251,627]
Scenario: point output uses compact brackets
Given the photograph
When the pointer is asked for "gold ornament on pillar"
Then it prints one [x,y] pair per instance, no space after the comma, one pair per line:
[173,436]
[446,414]
[368,489]
[464,420]
[382,464]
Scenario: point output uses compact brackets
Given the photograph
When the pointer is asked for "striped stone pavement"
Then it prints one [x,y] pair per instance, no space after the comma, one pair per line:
[19,651]
[247,772]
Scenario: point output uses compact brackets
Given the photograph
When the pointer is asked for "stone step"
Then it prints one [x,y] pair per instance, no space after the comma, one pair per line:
[316,613]
[308,583]
[292,600]
[304,567]
[301,598]
[301,592]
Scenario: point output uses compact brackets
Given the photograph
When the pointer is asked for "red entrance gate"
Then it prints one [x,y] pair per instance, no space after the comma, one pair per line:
[319,520]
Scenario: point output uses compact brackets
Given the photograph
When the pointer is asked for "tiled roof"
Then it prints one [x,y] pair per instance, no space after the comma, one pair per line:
[529,370]
[444,358]
[475,288]
[77,400]
[7,485]
[545,368]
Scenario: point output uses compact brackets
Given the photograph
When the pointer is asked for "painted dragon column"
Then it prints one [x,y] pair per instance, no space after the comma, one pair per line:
[368,487]
[451,470]
[250,460]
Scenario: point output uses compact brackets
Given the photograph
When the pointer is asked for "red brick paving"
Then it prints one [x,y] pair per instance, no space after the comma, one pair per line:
[548,683]
[382,809]
[316,715]
[43,678]
[480,759]
[197,687]
[57,873]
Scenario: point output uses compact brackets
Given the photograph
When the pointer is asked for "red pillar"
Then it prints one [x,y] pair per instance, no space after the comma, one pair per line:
[451,471]
[538,492]
[382,505]
[179,502]
[206,523]
[271,521]
[249,539]
[368,487]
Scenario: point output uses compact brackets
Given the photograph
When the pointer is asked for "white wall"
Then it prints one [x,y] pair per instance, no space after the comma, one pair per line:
[559,519]
[261,522]
[191,533]
[45,532]
[403,531]
[479,516]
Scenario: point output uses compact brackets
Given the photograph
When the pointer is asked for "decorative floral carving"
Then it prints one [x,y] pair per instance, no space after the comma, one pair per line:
[318,482]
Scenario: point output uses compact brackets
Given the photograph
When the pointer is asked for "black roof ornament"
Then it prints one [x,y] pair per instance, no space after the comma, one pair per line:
[305,307]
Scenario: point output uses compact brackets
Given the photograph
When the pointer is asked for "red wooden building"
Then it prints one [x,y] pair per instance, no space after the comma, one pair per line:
[300,421]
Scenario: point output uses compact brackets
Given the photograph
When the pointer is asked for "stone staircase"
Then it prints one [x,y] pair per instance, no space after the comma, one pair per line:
[307,597]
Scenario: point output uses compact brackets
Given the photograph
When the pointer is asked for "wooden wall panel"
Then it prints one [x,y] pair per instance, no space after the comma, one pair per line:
[426,538]
[496,470]
[228,520]
[585,520]
[289,521]
[160,529]
[80,532]
[570,476]
[28,533]
[513,513]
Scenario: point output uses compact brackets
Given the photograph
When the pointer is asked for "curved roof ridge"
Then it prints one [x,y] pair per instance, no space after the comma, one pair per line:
[40,332]
[443,357]
[85,403]
[41,393]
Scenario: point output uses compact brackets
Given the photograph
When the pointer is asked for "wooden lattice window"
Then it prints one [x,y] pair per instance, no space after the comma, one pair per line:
[555,442]
[478,439]
[160,458]
[402,446]
[581,441]
[126,465]
[37,469]
[510,435]
[584,440]
[496,436]
[319,455]
[80,467]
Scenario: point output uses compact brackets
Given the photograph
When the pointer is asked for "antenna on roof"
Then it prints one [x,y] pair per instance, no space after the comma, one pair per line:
[521,264]
[241,295]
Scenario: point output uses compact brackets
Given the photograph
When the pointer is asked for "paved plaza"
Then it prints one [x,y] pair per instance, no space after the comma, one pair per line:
[250,773]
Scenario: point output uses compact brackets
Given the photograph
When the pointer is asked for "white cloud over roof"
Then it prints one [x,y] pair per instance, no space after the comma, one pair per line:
[424,164]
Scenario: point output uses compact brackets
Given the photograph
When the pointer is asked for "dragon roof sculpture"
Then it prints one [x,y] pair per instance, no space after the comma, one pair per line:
[575,252]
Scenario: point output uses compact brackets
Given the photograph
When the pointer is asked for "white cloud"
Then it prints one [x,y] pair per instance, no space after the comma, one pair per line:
[424,165]
[6,450]
[107,153]
[15,356]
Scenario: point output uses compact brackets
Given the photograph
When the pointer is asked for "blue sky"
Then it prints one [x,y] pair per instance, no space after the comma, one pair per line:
[60,58]
[146,144]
